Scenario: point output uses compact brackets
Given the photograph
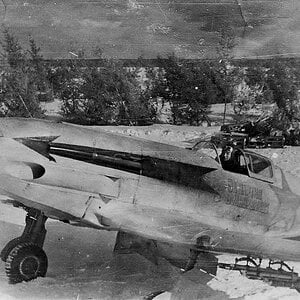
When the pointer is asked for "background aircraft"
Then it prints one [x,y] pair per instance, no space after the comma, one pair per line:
[163,200]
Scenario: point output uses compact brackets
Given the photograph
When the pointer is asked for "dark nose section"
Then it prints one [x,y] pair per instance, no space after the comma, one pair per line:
[40,145]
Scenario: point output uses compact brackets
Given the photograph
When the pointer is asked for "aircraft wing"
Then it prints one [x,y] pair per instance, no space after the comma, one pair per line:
[91,209]
[85,209]
[153,223]
[160,224]
[174,228]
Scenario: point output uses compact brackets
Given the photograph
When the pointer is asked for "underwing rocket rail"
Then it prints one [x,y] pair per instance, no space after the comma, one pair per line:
[283,276]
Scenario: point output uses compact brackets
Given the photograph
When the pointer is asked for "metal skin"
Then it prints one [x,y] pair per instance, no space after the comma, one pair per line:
[177,199]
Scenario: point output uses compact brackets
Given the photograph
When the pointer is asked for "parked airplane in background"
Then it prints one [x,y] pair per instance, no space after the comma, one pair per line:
[163,200]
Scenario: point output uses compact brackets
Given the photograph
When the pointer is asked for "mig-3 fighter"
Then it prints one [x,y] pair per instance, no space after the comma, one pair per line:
[164,201]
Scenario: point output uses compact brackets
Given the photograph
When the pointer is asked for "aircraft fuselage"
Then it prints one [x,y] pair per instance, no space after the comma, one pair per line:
[186,193]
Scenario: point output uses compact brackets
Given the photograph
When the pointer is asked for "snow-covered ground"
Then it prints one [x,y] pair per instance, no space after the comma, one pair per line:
[82,266]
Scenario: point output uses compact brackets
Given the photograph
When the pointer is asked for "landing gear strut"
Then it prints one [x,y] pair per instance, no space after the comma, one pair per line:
[205,260]
[23,256]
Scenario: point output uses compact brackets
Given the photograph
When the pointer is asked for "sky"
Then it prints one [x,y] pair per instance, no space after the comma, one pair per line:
[134,28]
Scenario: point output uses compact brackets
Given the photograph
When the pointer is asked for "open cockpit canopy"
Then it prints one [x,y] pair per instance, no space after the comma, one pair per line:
[247,162]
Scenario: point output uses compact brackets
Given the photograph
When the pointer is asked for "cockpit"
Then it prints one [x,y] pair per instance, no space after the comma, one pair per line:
[243,161]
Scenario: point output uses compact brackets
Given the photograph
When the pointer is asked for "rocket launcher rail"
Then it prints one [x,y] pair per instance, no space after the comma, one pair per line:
[279,277]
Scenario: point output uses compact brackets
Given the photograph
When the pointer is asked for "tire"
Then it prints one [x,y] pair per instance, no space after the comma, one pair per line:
[26,262]
[8,247]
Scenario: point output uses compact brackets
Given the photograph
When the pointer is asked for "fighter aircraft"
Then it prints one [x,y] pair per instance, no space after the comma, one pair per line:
[164,201]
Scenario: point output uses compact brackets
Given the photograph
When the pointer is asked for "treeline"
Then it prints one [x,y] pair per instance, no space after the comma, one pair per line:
[113,94]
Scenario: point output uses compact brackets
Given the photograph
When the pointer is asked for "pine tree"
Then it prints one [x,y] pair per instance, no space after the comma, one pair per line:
[19,89]
[108,94]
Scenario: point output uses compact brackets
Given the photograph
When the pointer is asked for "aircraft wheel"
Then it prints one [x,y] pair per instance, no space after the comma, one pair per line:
[8,247]
[26,262]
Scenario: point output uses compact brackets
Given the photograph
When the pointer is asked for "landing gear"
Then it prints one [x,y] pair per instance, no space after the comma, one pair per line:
[24,257]
[204,260]
[25,262]
[8,247]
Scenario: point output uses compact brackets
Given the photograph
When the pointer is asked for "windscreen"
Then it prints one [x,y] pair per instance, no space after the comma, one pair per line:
[259,165]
